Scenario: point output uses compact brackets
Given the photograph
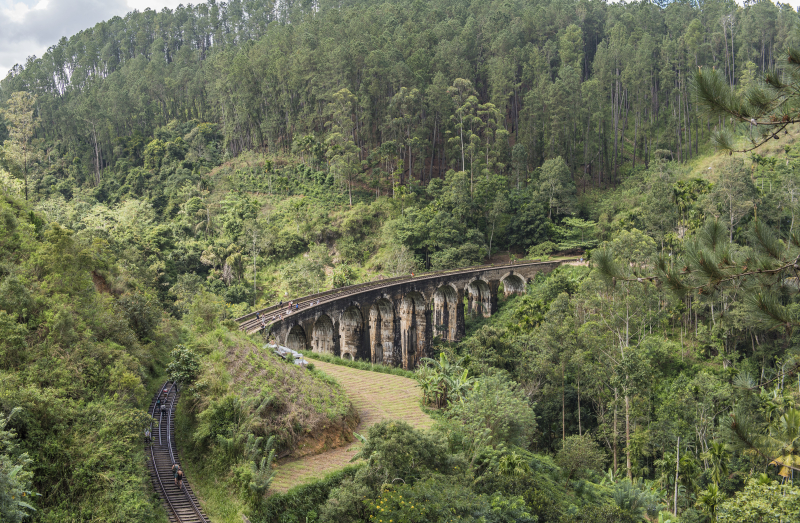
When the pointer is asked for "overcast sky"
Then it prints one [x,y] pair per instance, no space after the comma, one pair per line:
[29,27]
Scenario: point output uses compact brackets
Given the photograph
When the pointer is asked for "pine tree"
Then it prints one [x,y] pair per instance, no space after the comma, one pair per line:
[763,109]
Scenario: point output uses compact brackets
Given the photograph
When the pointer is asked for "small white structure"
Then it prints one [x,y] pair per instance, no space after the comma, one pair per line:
[287,353]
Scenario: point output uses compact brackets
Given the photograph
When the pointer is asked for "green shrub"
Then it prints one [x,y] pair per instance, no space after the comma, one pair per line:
[184,367]
[359,364]
[439,498]
[580,455]
[761,501]
[542,250]
[304,501]
[496,408]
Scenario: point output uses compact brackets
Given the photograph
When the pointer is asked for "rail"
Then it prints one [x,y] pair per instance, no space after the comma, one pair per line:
[251,323]
[152,452]
[184,493]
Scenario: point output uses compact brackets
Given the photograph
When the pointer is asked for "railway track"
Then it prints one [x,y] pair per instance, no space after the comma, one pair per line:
[269,315]
[180,502]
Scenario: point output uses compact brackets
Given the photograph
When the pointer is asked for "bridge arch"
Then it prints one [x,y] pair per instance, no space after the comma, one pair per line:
[479,298]
[322,340]
[513,284]
[381,332]
[296,338]
[446,311]
[351,328]
[413,314]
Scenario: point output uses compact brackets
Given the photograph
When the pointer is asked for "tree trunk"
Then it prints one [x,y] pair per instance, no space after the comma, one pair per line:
[563,409]
[580,431]
[635,138]
[677,465]
[433,148]
[614,434]
[628,435]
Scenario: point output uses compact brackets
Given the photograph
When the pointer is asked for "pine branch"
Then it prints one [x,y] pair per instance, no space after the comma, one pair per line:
[764,106]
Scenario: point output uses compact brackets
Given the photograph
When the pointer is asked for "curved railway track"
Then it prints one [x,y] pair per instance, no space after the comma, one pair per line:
[269,315]
[180,502]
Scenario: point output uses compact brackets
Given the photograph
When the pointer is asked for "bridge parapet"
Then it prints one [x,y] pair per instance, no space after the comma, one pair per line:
[393,321]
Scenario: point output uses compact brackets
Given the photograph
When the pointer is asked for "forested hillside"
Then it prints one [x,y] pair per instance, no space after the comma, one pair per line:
[164,173]
[384,93]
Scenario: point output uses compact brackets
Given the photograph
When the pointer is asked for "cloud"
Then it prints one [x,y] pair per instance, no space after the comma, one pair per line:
[29,27]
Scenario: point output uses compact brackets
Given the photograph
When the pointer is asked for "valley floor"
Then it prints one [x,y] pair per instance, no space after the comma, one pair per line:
[376,397]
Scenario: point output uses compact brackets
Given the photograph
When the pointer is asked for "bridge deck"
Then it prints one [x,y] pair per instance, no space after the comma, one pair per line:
[269,315]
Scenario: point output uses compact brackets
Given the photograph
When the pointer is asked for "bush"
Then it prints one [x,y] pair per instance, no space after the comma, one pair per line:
[542,250]
[579,455]
[15,478]
[496,404]
[600,514]
[465,255]
[142,312]
[361,365]
[397,451]
[288,244]
[761,502]
[239,293]
[301,503]
[343,275]
[184,367]
[438,498]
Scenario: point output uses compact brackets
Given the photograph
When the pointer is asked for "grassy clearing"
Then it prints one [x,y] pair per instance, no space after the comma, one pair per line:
[376,397]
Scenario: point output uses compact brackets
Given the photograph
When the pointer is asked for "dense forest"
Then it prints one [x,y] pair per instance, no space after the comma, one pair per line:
[383,93]
[164,173]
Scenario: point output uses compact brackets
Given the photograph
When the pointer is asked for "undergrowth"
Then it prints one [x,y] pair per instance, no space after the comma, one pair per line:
[360,365]
[302,503]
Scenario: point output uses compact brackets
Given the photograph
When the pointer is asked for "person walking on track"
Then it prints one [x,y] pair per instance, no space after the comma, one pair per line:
[177,473]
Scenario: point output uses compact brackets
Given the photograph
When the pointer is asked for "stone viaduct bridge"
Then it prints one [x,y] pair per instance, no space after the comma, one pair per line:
[393,321]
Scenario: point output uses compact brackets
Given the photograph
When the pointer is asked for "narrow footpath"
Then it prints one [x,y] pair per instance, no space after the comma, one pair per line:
[376,397]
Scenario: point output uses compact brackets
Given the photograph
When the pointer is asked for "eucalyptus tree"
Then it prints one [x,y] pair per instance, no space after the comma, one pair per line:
[19,148]
[466,105]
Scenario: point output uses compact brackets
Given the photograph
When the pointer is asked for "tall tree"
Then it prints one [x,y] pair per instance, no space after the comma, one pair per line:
[19,114]
[557,186]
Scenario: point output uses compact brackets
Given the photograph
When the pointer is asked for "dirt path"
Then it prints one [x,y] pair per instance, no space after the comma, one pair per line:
[377,397]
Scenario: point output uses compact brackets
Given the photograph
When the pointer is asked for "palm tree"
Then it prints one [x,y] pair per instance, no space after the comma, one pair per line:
[718,455]
[206,220]
[785,439]
[779,444]
[709,500]
[513,464]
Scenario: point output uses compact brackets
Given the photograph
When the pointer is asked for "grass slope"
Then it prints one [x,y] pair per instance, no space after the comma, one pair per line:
[376,397]
[245,390]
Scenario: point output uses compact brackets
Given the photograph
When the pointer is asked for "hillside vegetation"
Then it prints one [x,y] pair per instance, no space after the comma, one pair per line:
[75,357]
[164,173]
[83,337]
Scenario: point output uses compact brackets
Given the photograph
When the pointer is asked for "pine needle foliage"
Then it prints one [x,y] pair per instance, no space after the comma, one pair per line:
[765,273]
[762,110]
